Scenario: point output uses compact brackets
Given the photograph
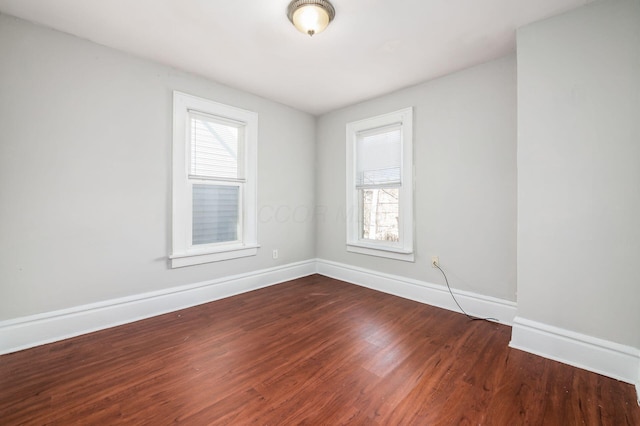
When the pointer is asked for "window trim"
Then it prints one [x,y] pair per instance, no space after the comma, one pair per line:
[183,252]
[404,249]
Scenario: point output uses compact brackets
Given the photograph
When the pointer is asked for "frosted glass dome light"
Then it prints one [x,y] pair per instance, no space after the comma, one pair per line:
[310,16]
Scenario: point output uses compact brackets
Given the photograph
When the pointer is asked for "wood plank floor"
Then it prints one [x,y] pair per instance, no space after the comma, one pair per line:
[311,351]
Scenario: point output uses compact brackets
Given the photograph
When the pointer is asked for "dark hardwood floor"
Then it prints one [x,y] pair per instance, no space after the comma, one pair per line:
[311,351]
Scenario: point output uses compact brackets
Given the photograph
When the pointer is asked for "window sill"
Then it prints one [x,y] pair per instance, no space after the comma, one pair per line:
[228,253]
[388,252]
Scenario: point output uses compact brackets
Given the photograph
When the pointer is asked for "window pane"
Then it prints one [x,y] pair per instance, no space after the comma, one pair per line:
[378,157]
[215,213]
[215,151]
[379,208]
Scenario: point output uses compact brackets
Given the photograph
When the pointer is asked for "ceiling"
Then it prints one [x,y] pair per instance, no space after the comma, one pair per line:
[372,47]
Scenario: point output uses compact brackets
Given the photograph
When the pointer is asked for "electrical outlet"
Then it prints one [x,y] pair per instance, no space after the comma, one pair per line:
[435,261]
[275,253]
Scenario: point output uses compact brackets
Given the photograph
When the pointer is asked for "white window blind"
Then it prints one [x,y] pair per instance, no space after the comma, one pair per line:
[216,161]
[215,151]
[379,157]
[215,214]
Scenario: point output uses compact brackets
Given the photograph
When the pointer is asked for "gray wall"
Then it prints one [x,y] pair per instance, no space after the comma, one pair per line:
[85,163]
[465,190]
[579,171]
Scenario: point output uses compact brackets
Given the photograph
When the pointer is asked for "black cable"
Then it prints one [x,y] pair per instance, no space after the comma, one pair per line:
[471,317]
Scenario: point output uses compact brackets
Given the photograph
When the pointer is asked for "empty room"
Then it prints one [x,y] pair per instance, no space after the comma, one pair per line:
[321,212]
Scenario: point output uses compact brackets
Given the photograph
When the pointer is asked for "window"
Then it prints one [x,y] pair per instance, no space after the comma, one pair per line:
[380,186]
[214,181]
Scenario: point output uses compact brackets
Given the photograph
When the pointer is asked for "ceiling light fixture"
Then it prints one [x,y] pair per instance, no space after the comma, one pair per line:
[310,16]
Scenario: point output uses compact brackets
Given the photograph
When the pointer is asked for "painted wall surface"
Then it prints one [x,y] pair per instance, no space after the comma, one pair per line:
[85,174]
[465,179]
[579,171]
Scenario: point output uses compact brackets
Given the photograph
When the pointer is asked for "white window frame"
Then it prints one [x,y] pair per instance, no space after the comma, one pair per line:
[403,249]
[183,252]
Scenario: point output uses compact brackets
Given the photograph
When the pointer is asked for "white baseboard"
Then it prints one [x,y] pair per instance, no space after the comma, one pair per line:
[638,384]
[580,350]
[26,332]
[420,291]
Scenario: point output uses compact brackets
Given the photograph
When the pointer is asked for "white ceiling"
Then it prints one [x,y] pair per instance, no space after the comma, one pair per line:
[371,48]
